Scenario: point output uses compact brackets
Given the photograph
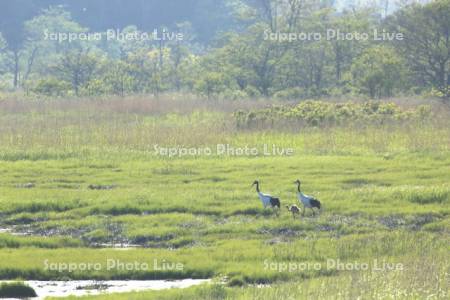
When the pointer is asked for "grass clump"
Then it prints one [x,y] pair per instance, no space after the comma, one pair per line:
[11,241]
[16,290]
[237,281]
[439,196]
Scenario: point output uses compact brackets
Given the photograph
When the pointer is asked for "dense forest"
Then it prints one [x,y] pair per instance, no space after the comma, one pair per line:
[230,48]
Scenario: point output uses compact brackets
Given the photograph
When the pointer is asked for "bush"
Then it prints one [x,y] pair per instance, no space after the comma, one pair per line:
[16,290]
[318,113]
[378,71]
[52,87]
[211,84]
[252,92]
[234,95]
[237,281]
[428,196]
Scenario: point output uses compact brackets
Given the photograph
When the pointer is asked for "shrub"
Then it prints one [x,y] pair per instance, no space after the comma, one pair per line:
[429,196]
[252,92]
[317,113]
[237,281]
[16,290]
[52,87]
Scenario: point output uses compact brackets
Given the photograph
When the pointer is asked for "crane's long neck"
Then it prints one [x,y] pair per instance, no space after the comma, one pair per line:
[257,187]
[298,188]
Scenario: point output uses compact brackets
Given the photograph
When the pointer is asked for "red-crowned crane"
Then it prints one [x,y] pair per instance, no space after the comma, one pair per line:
[307,201]
[267,200]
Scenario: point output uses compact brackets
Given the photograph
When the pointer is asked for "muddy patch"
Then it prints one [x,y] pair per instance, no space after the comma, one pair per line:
[414,222]
[25,186]
[392,222]
[419,221]
[116,246]
[326,228]
[281,232]
[101,187]
[23,230]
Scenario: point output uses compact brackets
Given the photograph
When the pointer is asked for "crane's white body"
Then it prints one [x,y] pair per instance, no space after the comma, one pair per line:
[305,200]
[265,199]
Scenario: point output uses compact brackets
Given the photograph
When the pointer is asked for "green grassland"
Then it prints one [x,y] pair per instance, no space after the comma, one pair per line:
[77,176]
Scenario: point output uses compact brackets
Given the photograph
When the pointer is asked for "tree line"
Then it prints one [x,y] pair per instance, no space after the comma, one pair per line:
[276,48]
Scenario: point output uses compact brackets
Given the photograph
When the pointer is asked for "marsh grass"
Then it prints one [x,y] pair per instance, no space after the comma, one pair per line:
[384,189]
[61,129]
[424,279]
[8,241]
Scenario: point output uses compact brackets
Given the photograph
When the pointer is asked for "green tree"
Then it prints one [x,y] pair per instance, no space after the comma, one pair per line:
[344,51]
[118,78]
[3,56]
[426,43]
[211,83]
[78,67]
[30,51]
[377,71]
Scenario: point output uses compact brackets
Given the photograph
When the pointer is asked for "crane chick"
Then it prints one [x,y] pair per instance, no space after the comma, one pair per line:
[294,209]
